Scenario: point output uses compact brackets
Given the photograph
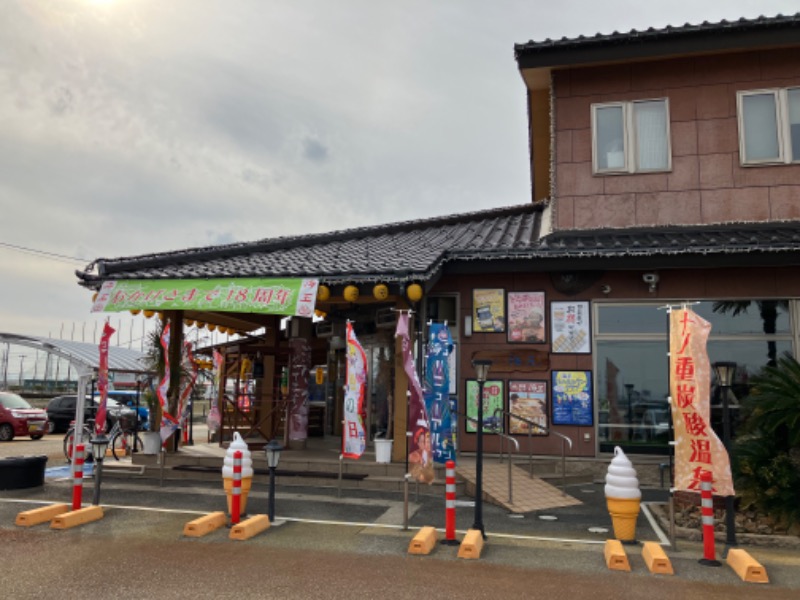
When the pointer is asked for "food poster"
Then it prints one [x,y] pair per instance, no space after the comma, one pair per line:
[572,398]
[570,327]
[488,311]
[492,400]
[528,399]
[526,322]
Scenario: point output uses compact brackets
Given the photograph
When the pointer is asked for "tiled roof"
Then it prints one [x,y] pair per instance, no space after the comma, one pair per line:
[417,250]
[412,250]
[637,38]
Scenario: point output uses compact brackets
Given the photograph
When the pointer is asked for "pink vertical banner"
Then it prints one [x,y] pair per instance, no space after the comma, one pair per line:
[102,378]
[420,457]
[299,368]
[353,436]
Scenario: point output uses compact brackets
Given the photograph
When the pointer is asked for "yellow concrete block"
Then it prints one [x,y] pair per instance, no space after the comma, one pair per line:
[423,542]
[747,567]
[472,545]
[656,559]
[40,515]
[205,524]
[616,558]
[77,517]
[252,526]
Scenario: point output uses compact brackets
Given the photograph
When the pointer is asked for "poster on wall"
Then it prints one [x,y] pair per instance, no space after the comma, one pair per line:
[571,333]
[526,322]
[572,398]
[488,310]
[492,400]
[528,399]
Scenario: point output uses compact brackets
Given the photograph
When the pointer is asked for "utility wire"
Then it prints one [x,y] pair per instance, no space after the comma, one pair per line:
[44,253]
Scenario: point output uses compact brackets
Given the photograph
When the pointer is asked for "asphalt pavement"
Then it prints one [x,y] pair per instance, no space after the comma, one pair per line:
[360,521]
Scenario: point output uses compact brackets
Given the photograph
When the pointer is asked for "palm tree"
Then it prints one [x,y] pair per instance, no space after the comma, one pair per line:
[768,310]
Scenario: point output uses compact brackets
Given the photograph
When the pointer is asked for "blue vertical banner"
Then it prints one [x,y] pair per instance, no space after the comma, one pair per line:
[437,393]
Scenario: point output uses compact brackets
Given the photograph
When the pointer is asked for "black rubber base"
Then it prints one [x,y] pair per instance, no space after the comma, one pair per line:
[709,563]
[20,472]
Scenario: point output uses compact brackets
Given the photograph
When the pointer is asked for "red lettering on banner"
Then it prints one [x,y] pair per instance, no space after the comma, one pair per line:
[135,296]
[264,296]
[118,297]
[282,296]
[352,428]
[701,451]
[686,321]
[171,295]
[154,295]
[306,297]
[684,368]
[212,295]
[685,343]
[695,424]
[697,475]
[686,393]
[190,295]
[241,295]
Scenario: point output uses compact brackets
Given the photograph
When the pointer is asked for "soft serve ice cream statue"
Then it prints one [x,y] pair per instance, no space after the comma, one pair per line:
[623,496]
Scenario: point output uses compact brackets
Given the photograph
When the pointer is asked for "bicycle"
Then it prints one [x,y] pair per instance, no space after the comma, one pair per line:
[124,438]
[88,429]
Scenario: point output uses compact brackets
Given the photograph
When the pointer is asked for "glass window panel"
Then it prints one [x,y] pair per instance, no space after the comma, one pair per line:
[759,116]
[632,319]
[753,317]
[650,119]
[794,121]
[610,138]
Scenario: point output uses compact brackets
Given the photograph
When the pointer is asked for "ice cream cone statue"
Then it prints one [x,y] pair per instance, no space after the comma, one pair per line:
[247,471]
[623,496]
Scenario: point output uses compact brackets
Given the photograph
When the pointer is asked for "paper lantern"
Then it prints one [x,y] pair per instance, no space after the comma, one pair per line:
[188,322]
[200,324]
[161,315]
[135,311]
[323,293]
[94,296]
[380,291]
[351,293]
[414,292]
[212,327]
[149,313]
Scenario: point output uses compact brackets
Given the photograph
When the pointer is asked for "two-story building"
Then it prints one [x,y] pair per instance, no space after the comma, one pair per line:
[665,170]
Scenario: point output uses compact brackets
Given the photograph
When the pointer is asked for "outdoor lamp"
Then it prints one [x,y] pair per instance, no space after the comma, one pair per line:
[99,445]
[725,371]
[481,369]
[481,373]
[273,452]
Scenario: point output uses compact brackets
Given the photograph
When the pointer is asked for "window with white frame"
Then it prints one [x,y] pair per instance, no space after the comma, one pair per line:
[769,126]
[631,137]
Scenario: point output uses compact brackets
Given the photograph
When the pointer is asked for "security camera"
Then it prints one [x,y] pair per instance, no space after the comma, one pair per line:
[650,278]
[606,289]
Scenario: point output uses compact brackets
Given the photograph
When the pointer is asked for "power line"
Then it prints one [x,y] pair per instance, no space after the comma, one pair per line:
[44,253]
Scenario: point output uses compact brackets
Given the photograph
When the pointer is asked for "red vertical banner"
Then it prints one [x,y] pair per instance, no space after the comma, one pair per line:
[353,436]
[420,456]
[698,450]
[102,378]
[168,423]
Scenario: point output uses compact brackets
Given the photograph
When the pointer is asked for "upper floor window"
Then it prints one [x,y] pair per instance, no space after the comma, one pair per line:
[769,126]
[631,137]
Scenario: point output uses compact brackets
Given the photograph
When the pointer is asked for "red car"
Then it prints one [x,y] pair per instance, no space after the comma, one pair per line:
[17,417]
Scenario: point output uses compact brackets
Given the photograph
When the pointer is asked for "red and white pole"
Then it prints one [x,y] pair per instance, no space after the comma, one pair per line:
[77,476]
[450,504]
[236,493]
[707,511]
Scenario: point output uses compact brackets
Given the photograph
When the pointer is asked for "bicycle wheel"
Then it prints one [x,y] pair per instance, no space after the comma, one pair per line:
[69,440]
[125,443]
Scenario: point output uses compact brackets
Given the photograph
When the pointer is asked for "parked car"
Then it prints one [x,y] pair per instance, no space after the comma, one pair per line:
[130,398]
[61,411]
[17,417]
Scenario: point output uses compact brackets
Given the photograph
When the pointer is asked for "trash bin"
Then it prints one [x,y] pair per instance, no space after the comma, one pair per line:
[19,472]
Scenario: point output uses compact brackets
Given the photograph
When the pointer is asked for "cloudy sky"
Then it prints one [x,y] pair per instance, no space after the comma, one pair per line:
[132,126]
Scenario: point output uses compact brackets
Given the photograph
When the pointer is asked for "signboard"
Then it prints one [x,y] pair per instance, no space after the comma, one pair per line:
[697,447]
[294,297]
[526,322]
[570,323]
[528,399]
[572,398]
[492,400]
[488,311]
[519,359]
